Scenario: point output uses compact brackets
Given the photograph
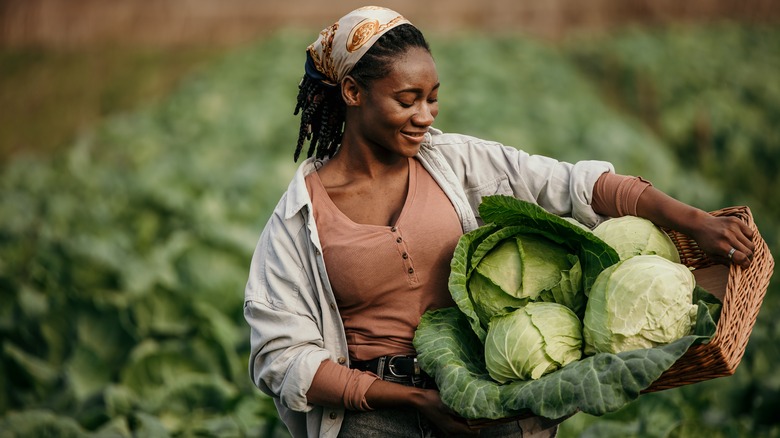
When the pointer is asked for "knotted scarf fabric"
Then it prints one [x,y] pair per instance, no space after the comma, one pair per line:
[341,45]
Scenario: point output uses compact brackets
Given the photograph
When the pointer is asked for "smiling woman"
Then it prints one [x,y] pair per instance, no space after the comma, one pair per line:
[359,248]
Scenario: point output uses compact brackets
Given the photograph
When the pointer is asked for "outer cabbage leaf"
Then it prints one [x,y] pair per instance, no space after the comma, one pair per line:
[460,268]
[503,266]
[567,291]
[469,252]
[490,300]
[543,260]
[495,270]
[524,265]
[449,351]
[594,253]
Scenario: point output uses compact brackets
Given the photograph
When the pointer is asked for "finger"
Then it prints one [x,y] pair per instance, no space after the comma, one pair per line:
[739,256]
[746,230]
[744,249]
[743,233]
[740,236]
[741,259]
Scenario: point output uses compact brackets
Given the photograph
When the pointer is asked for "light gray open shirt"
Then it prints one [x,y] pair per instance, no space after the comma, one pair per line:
[289,303]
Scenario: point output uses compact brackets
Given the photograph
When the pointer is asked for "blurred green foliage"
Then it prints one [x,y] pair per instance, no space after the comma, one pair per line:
[48,97]
[123,259]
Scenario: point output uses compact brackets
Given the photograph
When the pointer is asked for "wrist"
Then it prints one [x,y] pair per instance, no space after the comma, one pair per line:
[694,222]
[382,394]
[418,397]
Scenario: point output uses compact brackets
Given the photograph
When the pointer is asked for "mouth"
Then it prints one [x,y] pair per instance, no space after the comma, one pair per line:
[414,136]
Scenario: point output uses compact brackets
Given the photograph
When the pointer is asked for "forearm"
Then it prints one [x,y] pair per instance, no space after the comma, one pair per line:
[337,385]
[619,195]
[726,239]
[382,394]
[665,211]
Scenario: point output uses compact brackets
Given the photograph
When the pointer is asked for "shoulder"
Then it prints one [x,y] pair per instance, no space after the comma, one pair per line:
[284,238]
[467,153]
[448,140]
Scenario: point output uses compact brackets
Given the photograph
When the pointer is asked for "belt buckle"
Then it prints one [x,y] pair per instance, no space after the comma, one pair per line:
[391,366]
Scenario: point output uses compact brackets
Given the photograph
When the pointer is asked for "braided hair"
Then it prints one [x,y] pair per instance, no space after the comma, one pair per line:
[321,106]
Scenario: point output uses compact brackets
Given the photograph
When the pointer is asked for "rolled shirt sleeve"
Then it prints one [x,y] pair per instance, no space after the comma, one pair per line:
[338,385]
[287,331]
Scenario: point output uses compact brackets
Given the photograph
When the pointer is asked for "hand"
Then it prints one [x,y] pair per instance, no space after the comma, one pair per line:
[717,235]
[427,401]
[445,419]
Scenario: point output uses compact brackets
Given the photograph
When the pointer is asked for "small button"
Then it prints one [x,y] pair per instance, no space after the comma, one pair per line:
[411,270]
[394,229]
[332,306]
[333,415]
[341,360]
[405,256]
[398,240]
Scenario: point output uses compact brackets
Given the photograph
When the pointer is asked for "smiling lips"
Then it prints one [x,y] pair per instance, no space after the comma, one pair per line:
[416,136]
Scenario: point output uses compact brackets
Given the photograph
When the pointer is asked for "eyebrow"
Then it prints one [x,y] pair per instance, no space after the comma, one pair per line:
[416,90]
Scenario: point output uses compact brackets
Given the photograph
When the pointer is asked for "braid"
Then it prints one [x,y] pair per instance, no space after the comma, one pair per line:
[321,124]
[321,107]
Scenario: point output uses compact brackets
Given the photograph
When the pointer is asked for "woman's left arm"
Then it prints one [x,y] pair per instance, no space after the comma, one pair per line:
[715,235]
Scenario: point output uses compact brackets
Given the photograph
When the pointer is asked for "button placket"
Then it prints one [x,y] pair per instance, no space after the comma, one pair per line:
[403,250]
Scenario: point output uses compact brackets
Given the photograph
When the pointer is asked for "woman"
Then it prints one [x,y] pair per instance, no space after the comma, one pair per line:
[359,246]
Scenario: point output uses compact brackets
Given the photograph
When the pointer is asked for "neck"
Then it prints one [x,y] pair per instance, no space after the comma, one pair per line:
[360,159]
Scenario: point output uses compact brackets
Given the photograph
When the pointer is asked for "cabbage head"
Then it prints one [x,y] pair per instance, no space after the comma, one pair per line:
[640,302]
[631,235]
[523,254]
[532,341]
[523,268]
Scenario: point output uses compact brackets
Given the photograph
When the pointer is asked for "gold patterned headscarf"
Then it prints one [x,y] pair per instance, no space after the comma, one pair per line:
[341,45]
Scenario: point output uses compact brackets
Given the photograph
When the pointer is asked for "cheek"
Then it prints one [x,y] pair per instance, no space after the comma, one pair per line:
[395,117]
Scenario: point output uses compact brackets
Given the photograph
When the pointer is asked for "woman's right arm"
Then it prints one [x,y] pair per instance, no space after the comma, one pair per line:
[285,314]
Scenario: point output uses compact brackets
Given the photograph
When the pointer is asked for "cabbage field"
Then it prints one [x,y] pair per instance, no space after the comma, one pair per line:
[123,259]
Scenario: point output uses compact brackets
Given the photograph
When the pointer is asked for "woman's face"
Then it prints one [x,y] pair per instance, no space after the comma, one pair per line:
[395,112]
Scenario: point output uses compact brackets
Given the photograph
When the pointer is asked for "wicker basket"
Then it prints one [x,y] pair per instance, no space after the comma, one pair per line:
[741,290]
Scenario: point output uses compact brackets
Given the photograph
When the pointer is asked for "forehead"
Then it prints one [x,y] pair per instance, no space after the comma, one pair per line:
[415,68]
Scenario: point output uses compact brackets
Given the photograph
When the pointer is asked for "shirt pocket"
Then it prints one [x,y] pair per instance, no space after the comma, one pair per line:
[497,186]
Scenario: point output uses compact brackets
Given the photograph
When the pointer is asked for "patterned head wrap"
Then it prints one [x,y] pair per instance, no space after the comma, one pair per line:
[341,45]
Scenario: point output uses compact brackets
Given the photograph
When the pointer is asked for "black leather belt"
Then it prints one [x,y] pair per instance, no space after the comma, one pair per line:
[396,366]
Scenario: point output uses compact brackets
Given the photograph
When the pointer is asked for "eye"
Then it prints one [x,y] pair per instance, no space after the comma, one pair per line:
[404,104]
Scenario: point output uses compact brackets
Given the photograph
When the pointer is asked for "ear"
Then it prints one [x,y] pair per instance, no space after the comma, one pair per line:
[351,91]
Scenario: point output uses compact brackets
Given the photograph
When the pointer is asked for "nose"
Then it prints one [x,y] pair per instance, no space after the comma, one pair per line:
[426,115]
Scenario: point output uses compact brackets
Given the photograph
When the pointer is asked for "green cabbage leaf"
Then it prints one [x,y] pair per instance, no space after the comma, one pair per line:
[450,351]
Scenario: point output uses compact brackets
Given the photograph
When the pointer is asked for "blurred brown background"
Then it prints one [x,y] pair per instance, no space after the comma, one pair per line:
[65,64]
[73,23]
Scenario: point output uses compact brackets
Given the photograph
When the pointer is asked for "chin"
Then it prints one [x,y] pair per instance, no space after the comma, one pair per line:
[409,151]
